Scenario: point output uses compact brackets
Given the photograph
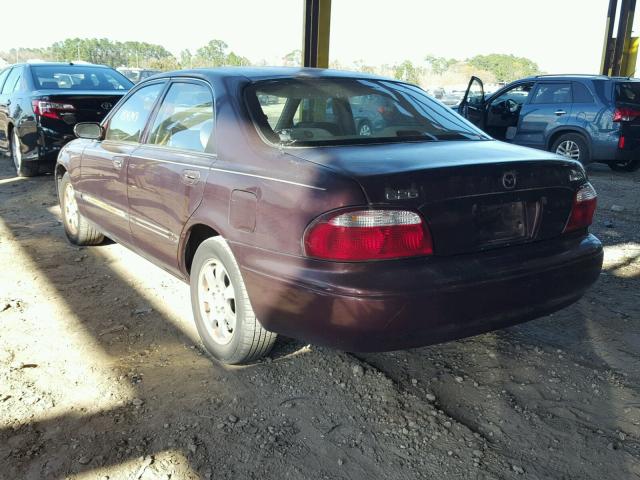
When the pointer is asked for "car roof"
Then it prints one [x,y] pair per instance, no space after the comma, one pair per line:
[265,73]
[57,64]
[579,76]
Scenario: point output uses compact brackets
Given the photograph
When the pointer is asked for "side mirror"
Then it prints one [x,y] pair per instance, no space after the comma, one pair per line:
[91,131]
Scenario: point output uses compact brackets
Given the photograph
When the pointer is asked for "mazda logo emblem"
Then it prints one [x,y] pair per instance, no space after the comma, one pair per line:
[106,105]
[509,180]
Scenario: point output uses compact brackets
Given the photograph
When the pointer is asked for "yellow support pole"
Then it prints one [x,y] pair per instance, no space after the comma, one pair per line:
[629,58]
[316,33]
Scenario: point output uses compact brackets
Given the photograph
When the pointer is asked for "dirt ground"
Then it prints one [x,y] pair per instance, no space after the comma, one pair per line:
[102,376]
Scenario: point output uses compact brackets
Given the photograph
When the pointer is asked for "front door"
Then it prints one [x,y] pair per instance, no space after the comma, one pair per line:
[102,186]
[8,79]
[503,109]
[167,174]
[550,106]
[472,105]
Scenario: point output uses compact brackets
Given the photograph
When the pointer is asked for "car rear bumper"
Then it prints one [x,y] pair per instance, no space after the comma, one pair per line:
[392,305]
[52,141]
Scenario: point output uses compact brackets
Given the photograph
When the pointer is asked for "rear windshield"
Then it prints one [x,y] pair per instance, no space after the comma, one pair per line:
[67,77]
[351,111]
[628,92]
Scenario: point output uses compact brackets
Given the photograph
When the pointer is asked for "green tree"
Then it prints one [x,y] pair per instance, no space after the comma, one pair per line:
[293,58]
[186,59]
[505,67]
[407,71]
[439,65]
[107,52]
[213,54]
[236,60]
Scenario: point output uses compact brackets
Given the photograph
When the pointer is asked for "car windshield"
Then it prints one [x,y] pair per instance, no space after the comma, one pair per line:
[343,111]
[69,77]
[628,92]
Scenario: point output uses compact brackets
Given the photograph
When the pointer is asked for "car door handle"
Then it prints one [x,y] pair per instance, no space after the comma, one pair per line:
[117,162]
[560,112]
[190,177]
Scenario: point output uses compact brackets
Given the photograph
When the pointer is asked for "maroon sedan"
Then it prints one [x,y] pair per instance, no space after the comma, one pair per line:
[256,186]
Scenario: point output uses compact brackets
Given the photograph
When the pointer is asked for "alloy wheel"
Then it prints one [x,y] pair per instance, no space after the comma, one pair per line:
[217,301]
[71,209]
[569,149]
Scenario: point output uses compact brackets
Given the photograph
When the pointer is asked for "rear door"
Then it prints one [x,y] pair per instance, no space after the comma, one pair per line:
[167,174]
[472,105]
[103,172]
[548,108]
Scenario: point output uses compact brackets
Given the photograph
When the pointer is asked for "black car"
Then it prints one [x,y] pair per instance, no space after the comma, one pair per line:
[41,102]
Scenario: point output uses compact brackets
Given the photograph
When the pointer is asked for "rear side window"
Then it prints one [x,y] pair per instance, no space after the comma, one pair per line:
[3,76]
[185,118]
[128,122]
[581,94]
[552,93]
[628,92]
[67,77]
[12,82]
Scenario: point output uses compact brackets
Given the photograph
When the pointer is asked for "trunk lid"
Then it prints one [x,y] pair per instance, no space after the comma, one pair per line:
[627,100]
[474,195]
[90,106]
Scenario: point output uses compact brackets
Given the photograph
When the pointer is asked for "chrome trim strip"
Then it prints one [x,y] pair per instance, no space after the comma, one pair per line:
[154,228]
[103,205]
[268,178]
[164,233]
[162,160]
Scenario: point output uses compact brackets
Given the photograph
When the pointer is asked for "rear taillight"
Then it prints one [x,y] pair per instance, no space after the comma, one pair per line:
[625,114]
[621,142]
[53,110]
[359,235]
[584,206]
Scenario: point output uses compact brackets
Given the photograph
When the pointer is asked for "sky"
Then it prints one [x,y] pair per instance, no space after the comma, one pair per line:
[562,36]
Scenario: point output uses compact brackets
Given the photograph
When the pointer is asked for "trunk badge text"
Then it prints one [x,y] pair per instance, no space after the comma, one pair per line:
[400,194]
[106,105]
[509,180]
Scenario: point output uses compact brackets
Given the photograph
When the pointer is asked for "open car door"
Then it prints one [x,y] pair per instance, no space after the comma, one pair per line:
[472,105]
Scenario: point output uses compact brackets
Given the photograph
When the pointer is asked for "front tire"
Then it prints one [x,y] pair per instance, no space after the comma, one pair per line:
[224,318]
[573,146]
[23,169]
[78,230]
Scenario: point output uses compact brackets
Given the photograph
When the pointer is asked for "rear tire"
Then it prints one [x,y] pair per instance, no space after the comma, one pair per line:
[573,146]
[78,230]
[628,166]
[224,318]
[23,169]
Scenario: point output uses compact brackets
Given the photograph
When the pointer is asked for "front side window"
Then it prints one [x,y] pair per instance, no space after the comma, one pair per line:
[68,77]
[128,122]
[514,96]
[331,111]
[185,118]
[553,93]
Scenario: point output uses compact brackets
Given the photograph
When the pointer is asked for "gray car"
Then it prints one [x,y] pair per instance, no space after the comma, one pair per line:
[589,118]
